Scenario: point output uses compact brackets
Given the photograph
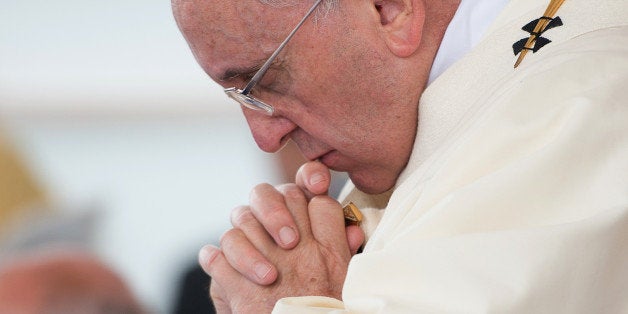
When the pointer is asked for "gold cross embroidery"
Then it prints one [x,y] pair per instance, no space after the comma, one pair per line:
[548,16]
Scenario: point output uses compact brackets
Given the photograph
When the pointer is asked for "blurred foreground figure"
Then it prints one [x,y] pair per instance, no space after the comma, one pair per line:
[45,264]
[62,282]
[19,193]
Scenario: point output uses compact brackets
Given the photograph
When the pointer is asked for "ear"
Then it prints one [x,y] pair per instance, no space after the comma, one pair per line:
[401,24]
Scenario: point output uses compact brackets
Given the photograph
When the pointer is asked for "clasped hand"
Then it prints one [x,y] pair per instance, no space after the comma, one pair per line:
[290,241]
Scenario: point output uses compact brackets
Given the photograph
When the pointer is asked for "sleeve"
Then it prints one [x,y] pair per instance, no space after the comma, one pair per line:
[308,305]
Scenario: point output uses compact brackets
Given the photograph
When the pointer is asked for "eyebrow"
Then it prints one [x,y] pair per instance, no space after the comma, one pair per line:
[234,72]
[246,71]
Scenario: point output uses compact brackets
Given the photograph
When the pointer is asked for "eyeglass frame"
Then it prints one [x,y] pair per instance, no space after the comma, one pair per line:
[242,96]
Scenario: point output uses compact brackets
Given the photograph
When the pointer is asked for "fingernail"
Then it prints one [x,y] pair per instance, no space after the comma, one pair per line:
[261,270]
[287,235]
[317,178]
[206,255]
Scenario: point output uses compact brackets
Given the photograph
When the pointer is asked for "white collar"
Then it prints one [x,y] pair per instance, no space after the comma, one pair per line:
[465,30]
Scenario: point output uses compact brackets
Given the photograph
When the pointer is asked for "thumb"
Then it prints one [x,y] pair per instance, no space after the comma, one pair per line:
[313,178]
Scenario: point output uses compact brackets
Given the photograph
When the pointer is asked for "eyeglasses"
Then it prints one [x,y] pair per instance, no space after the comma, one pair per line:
[242,96]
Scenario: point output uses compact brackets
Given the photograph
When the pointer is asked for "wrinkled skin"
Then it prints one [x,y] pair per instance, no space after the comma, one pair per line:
[345,91]
[335,87]
[316,266]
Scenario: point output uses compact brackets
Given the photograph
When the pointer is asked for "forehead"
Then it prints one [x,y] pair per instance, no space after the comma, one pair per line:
[230,33]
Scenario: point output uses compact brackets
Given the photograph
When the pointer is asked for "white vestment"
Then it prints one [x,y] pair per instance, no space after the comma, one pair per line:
[515,198]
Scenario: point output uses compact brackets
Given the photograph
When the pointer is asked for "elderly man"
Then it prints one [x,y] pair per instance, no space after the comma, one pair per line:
[486,142]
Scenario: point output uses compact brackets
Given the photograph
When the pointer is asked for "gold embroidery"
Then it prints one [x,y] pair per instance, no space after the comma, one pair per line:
[551,10]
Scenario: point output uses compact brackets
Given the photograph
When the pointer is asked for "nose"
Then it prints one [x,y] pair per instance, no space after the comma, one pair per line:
[270,132]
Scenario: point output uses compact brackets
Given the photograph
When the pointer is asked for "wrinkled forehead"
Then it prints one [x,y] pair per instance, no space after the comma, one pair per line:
[227,33]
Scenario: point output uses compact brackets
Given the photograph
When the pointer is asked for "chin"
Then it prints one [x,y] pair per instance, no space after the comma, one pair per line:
[372,184]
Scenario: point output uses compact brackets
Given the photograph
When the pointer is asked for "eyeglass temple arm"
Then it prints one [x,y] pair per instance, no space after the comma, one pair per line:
[264,68]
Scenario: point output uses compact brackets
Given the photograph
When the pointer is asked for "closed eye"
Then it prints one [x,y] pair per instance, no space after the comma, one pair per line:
[245,74]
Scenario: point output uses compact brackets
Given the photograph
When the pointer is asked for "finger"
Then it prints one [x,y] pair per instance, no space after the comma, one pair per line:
[218,299]
[245,258]
[296,202]
[242,218]
[224,278]
[268,206]
[314,178]
[355,238]
[214,263]
[328,224]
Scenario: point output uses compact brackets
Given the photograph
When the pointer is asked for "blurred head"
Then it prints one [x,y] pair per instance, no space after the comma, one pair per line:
[62,282]
[346,87]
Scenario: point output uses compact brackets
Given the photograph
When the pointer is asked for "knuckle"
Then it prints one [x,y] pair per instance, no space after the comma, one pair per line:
[260,189]
[324,200]
[216,293]
[275,212]
[284,186]
[241,216]
[230,243]
[270,210]
[207,257]
[228,237]
[291,191]
[262,194]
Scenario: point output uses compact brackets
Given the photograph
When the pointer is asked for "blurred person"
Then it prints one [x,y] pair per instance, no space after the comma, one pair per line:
[46,263]
[19,193]
[486,142]
[62,281]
